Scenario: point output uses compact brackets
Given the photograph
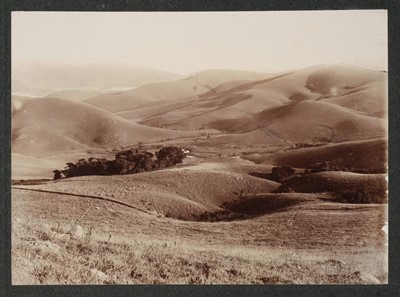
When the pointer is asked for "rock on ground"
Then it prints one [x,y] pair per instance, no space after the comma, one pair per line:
[76,232]
[99,275]
[366,278]
[48,246]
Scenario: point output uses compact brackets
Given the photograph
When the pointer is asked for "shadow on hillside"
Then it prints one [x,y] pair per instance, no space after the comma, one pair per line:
[261,175]
[251,207]
[30,182]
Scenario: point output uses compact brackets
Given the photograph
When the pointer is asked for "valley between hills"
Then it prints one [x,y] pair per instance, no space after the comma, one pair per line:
[223,215]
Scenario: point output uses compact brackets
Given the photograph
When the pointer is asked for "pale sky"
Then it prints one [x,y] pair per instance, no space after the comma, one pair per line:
[185,42]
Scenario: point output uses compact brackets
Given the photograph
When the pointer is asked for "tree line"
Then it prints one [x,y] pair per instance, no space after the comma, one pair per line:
[126,162]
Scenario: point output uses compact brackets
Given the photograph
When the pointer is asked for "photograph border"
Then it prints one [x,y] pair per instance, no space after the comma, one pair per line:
[391,289]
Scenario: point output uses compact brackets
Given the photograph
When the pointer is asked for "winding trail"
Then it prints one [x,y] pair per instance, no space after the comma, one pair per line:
[87,196]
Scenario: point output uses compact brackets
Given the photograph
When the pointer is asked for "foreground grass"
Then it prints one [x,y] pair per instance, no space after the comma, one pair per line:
[45,254]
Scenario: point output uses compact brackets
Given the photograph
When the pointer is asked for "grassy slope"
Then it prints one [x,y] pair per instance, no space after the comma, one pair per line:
[180,193]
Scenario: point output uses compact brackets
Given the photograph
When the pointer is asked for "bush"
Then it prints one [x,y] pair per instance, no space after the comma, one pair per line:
[319,167]
[57,174]
[125,162]
[170,155]
[327,166]
[282,173]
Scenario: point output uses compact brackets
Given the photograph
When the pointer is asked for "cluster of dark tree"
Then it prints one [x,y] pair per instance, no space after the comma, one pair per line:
[125,162]
[278,174]
[362,196]
[326,166]
[282,173]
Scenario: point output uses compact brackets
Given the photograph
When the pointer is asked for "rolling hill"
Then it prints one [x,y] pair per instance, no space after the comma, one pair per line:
[371,99]
[171,91]
[182,193]
[369,155]
[70,125]
[307,121]
[337,181]
[355,101]
[323,103]
[339,79]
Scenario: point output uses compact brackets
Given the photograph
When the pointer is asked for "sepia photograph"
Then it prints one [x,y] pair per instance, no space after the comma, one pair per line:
[218,147]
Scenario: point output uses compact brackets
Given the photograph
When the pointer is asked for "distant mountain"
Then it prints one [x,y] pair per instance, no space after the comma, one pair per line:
[41,79]
[74,94]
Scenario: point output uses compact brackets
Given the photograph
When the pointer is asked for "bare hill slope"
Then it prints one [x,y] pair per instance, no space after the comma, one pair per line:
[308,121]
[338,79]
[67,125]
[242,107]
[202,113]
[370,99]
[172,90]
[323,80]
